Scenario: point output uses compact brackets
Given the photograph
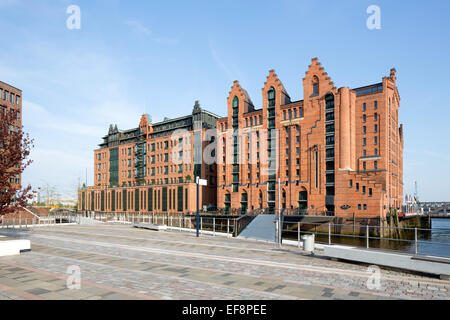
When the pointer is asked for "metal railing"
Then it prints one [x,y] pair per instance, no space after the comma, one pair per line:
[19,221]
[212,224]
[416,241]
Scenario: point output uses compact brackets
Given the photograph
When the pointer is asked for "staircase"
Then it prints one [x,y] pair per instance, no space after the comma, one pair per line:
[261,228]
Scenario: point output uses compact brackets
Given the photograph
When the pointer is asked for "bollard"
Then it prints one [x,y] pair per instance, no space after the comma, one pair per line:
[417,244]
[201,225]
[228,226]
[298,234]
[329,233]
[214,227]
[367,232]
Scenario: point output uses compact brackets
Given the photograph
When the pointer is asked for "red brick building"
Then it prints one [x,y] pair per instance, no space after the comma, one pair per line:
[152,168]
[11,101]
[338,150]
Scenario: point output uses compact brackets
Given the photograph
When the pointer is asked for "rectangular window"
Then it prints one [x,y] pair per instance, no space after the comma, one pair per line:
[375,105]
[357,186]
[370,192]
[364,107]
[376,128]
[364,130]
[351,184]
[375,140]
[375,165]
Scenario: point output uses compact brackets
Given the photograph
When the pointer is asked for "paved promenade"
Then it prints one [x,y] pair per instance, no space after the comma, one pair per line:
[119,262]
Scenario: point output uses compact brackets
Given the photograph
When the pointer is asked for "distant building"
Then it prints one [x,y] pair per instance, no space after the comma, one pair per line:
[338,150]
[150,169]
[11,101]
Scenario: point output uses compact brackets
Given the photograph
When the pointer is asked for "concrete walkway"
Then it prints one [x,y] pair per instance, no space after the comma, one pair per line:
[122,262]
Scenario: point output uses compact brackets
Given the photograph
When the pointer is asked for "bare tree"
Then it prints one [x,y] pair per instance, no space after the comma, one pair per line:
[15,147]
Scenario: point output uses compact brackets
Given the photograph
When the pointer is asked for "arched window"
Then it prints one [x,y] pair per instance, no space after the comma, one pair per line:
[271,96]
[227,202]
[235,106]
[303,200]
[244,203]
[315,84]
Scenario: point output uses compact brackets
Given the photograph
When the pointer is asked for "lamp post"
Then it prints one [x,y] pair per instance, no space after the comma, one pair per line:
[199,183]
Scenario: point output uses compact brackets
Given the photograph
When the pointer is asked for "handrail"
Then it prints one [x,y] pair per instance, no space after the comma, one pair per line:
[31,212]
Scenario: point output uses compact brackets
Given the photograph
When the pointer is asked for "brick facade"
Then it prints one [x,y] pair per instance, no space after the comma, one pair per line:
[151,168]
[11,101]
[337,148]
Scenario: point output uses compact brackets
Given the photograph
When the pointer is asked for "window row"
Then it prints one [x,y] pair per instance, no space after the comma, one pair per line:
[9,96]
[375,106]
[252,121]
[292,114]
[363,188]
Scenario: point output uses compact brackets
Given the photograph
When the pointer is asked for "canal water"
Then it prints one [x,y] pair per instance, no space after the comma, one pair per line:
[439,241]
[434,242]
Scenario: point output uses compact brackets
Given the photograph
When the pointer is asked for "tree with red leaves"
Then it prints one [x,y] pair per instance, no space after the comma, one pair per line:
[15,147]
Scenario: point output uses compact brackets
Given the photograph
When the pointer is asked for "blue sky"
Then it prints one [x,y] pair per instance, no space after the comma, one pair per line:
[132,57]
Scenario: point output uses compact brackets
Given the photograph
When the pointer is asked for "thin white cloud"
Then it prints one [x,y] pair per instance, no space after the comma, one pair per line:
[220,62]
[165,40]
[57,123]
[138,27]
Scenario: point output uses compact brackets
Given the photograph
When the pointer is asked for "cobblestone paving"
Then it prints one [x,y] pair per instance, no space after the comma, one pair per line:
[119,262]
